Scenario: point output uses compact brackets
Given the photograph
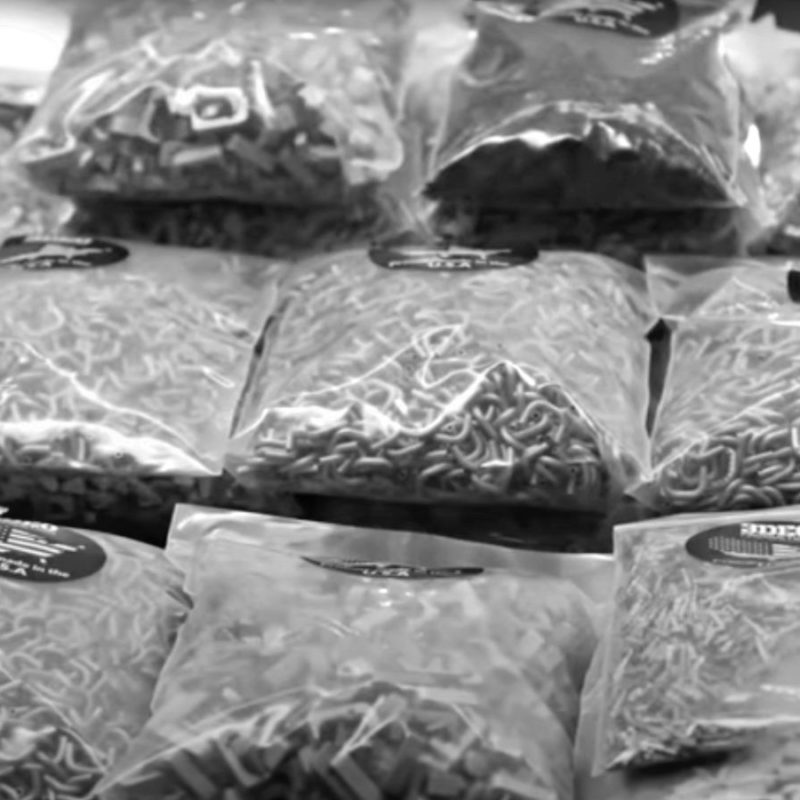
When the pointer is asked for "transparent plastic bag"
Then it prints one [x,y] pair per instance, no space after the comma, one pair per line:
[125,359]
[725,434]
[566,108]
[292,103]
[703,655]
[419,375]
[86,623]
[338,662]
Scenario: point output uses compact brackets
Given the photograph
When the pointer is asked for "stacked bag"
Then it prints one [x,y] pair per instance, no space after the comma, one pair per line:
[409,256]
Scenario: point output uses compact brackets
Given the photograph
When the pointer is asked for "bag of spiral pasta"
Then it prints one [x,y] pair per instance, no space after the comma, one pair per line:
[290,103]
[327,661]
[456,375]
[86,623]
[726,431]
[564,106]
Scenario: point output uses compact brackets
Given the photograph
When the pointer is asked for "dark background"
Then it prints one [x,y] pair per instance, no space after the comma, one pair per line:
[787,12]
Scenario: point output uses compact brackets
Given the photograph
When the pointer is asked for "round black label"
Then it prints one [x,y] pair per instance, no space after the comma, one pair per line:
[371,569]
[39,553]
[455,259]
[59,252]
[747,544]
[649,19]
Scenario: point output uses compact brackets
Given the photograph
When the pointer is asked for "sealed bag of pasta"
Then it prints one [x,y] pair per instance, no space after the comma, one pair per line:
[290,102]
[703,655]
[596,105]
[125,359]
[726,431]
[86,623]
[321,661]
[452,375]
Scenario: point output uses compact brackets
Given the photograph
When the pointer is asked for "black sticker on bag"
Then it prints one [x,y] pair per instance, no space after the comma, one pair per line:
[60,252]
[649,19]
[455,259]
[46,553]
[748,544]
[371,569]
[793,285]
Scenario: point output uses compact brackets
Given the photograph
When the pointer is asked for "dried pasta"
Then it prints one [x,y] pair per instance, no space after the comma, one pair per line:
[521,383]
[289,103]
[86,623]
[133,367]
[560,108]
[725,433]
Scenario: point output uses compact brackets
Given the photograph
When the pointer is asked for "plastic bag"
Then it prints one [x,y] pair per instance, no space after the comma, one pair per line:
[725,433]
[703,654]
[330,662]
[86,623]
[419,375]
[124,359]
[291,103]
[559,107]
